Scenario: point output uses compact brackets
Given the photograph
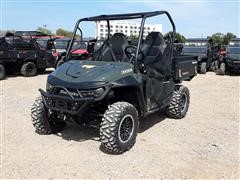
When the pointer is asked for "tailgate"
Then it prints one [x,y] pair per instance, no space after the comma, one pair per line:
[185,67]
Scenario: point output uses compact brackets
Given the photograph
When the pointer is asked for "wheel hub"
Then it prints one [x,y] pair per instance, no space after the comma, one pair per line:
[125,130]
[183,102]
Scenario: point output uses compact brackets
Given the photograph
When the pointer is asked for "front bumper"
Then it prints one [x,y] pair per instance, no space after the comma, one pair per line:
[234,66]
[69,104]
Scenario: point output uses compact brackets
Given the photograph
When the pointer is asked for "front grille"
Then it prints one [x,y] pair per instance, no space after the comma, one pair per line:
[66,92]
[62,105]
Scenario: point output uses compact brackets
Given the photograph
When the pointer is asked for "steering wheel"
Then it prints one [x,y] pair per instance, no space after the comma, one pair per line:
[130,52]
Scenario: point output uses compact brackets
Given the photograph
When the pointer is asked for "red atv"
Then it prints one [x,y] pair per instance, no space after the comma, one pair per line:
[79,51]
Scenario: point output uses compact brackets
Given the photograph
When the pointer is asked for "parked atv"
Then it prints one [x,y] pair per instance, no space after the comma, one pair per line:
[205,50]
[20,52]
[79,49]
[120,84]
[230,62]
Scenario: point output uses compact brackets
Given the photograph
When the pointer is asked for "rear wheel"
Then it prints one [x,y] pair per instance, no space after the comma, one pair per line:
[203,68]
[42,121]
[2,72]
[119,128]
[222,69]
[179,104]
[29,69]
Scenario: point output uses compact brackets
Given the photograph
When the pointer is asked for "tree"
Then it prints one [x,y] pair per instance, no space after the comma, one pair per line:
[132,36]
[227,37]
[180,38]
[44,30]
[217,38]
[63,32]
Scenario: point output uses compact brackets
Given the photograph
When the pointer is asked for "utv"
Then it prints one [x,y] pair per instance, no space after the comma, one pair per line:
[205,50]
[117,86]
[230,62]
[80,49]
[20,51]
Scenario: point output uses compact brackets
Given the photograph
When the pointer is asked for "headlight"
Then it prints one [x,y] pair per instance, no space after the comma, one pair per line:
[92,93]
[49,87]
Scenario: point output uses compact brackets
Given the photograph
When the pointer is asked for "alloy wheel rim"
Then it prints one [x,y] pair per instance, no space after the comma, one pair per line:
[125,129]
[183,102]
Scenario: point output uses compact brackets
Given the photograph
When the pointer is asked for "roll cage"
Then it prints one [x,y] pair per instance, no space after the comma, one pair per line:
[108,18]
[34,35]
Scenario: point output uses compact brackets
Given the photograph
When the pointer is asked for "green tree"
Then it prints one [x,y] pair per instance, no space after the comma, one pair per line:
[217,38]
[44,30]
[63,32]
[180,38]
[227,37]
[132,36]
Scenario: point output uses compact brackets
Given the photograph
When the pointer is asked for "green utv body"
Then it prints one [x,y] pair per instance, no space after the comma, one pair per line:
[205,50]
[117,86]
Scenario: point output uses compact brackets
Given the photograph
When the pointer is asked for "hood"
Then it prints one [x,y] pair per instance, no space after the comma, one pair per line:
[76,72]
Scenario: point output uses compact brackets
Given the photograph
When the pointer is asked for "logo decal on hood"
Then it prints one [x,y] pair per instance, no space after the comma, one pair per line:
[88,66]
[126,71]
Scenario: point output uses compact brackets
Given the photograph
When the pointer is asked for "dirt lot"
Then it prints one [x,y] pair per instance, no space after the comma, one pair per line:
[205,144]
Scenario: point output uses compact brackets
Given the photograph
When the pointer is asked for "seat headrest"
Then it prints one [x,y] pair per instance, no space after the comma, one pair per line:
[118,37]
[155,38]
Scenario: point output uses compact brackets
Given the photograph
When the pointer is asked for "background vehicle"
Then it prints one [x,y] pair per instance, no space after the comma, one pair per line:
[206,51]
[44,41]
[79,51]
[21,52]
[117,86]
[229,60]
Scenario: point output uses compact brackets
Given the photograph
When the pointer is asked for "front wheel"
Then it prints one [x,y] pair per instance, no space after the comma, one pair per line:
[29,69]
[2,72]
[179,104]
[203,68]
[119,127]
[222,69]
[42,121]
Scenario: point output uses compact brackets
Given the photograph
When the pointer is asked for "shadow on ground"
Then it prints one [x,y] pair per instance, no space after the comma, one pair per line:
[83,133]
[79,133]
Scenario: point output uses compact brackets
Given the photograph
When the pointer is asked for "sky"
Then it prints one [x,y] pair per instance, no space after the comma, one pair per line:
[195,18]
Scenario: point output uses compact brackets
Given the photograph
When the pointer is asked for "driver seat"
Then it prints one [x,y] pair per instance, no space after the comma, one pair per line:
[153,47]
[156,55]
[113,49]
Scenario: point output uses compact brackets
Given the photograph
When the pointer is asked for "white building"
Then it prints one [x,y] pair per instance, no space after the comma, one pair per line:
[127,28]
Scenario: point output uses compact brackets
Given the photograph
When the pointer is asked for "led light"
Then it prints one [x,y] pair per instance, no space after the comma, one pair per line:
[98,92]
[49,87]
[92,93]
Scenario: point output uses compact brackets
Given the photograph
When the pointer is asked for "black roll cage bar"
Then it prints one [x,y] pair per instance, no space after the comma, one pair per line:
[143,16]
[35,34]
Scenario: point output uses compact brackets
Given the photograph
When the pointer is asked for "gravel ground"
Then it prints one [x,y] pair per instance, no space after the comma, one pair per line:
[205,144]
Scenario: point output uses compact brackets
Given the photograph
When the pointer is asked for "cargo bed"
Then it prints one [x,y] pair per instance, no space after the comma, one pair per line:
[184,67]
